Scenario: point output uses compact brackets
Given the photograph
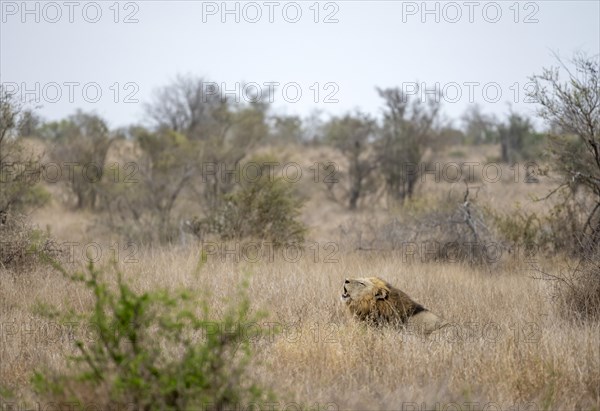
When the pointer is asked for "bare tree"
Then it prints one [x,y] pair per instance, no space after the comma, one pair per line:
[513,135]
[479,127]
[196,109]
[408,127]
[141,205]
[572,109]
[189,105]
[354,136]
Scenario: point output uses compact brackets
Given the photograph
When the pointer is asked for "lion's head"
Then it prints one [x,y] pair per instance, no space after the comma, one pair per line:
[364,289]
[377,302]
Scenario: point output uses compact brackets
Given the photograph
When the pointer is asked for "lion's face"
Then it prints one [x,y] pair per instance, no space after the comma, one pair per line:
[360,289]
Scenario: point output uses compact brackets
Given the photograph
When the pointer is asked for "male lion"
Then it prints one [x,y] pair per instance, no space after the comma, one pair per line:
[376,302]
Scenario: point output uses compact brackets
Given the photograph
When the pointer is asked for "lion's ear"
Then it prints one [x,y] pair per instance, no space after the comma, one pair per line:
[381,294]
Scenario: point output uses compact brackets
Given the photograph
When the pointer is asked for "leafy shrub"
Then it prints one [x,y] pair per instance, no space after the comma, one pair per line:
[153,352]
[19,178]
[519,227]
[19,167]
[560,230]
[457,153]
[22,246]
[264,208]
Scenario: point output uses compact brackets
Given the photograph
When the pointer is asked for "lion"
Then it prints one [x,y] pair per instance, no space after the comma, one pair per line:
[378,303]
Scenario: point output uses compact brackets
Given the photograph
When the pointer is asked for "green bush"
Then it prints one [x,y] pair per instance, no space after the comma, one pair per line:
[153,352]
[23,246]
[519,227]
[20,167]
[557,231]
[264,208]
[20,172]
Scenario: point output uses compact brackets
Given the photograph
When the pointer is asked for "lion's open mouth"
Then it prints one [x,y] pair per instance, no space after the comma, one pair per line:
[345,295]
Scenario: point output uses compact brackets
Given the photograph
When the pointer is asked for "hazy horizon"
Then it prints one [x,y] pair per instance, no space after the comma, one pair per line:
[372,44]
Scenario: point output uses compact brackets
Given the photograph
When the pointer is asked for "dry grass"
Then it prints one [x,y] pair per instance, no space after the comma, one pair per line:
[508,347]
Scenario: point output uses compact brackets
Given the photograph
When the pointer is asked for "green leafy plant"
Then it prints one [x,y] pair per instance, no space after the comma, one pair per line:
[23,246]
[264,208]
[154,351]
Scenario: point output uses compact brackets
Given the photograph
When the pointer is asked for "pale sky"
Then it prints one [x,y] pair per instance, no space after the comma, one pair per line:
[480,48]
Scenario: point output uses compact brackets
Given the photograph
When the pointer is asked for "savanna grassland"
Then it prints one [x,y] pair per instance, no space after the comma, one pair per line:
[510,346]
[196,261]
